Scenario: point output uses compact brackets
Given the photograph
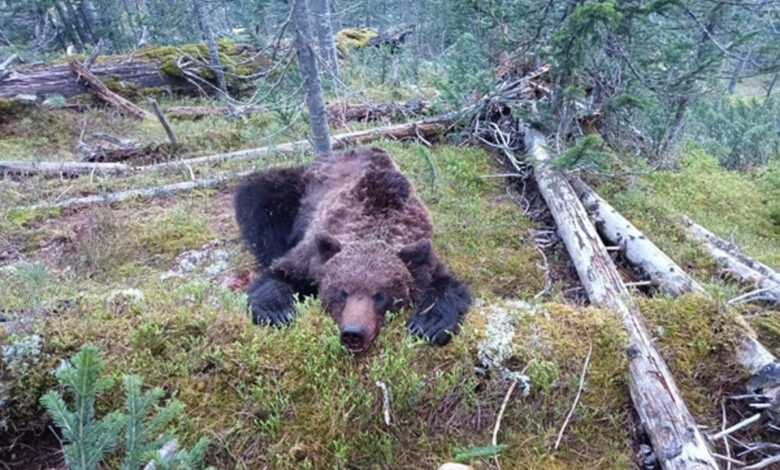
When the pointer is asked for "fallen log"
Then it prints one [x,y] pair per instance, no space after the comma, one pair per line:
[425,128]
[155,191]
[676,439]
[635,246]
[338,113]
[148,67]
[24,168]
[100,89]
[671,279]
[731,249]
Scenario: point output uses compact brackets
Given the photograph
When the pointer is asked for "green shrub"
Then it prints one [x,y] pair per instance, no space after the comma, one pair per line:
[88,440]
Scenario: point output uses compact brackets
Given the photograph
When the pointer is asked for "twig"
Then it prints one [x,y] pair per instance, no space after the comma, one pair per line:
[501,416]
[385,401]
[501,412]
[725,438]
[763,464]
[740,425]
[164,122]
[93,55]
[576,398]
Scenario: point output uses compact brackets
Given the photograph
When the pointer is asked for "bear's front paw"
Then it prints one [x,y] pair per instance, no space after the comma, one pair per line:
[261,315]
[438,316]
[433,323]
[271,302]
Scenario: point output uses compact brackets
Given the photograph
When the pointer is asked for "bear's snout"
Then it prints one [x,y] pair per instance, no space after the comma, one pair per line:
[358,324]
[354,337]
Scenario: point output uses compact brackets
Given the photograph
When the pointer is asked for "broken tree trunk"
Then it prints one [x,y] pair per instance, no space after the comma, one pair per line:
[100,89]
[426,128]
[676,439]
[60,168]
[671,279]
[737,264]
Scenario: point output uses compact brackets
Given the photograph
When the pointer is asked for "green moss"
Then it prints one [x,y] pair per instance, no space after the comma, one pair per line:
[121,87]
[354,38]
[742,204]
[696,336]
[23,217]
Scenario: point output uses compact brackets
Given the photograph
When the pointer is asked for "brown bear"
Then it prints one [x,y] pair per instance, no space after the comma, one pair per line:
[349,228]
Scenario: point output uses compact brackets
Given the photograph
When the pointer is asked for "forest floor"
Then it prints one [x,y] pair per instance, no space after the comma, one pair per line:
[158,285]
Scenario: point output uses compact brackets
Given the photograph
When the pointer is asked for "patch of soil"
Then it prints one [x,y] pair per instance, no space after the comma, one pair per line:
[32,451]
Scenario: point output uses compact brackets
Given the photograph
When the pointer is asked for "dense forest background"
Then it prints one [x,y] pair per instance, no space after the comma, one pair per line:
[659,71]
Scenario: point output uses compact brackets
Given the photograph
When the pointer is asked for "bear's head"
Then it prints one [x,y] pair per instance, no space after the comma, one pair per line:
[363,281]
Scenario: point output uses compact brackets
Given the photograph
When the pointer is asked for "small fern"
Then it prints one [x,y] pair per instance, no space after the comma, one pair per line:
[88,440]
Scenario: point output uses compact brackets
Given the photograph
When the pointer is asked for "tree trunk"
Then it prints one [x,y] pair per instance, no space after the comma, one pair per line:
[675,437]
[327,46]
[640,251]
[211,42]
[311,80]
[75,20]
[68,27]
[144,38]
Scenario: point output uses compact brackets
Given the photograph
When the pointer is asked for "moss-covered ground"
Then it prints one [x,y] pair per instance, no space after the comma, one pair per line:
[157,285]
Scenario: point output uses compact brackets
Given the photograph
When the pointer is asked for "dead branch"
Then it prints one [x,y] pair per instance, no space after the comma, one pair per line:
[93,55]
[576,398]
[100,89]
[164,122]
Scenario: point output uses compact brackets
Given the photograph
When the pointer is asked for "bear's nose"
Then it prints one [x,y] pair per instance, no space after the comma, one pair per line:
[353,337]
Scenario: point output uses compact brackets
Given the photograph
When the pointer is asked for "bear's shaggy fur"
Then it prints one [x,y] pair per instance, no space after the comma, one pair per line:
[351,229]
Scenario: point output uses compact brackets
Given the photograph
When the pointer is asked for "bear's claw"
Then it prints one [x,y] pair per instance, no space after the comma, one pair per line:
[271,302]
[433,326]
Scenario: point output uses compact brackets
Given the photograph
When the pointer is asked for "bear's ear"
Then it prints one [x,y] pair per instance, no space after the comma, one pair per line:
[416,254]
[327,245]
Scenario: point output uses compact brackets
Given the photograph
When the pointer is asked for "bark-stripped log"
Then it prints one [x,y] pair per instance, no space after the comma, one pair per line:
[677,442]
[155,191]
[635,246]
[338,113]
[425,128]
[640,251]
[60,168]
[100,89]
[705,235]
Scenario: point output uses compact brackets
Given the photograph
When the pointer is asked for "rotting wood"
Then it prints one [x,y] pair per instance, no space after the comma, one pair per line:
[61,168]
[671,278]
[100,89]
[425,128]
[730,248]
[676,439]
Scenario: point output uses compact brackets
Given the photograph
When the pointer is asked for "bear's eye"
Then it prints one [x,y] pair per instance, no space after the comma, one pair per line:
[379,298]
[341,294]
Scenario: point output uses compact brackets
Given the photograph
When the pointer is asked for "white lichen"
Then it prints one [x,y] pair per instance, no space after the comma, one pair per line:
[21,354]
[497,345]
